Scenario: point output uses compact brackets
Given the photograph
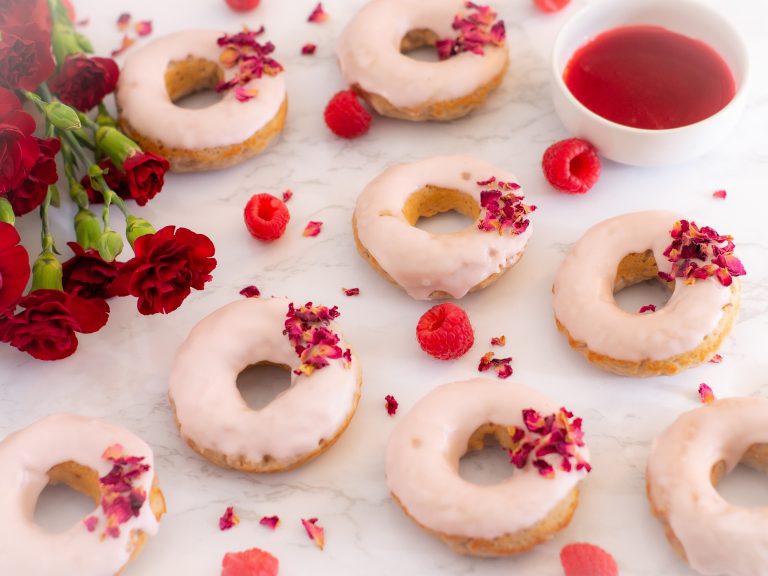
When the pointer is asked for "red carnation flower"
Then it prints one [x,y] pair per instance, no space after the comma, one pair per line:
[83,82]
[167,265]
[87,275]
[114,179]
[14,267]
[142,179]
[14,12]
[25,56]
[46,328]
[18,148]
[31,192]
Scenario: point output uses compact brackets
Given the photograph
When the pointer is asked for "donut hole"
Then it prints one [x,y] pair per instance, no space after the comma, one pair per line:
[441,210]
[746,484]
[486,461]
[637,283]
[191,82]
[259,384]
[71,493]
[420,45]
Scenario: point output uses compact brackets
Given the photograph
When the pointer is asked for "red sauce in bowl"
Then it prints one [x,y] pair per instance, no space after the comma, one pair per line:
[649,77]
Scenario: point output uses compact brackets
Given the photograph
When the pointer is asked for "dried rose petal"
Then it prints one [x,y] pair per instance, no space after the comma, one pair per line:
[308,330]
[127,43]
[250,292]
[501,209]
[720,194]
[120,499]
[270,522]
[499,340]
[229,519]
[318,14]
[308,49]
[391,404]
[252,59]
[706,394]
[90,523]
[502,366]
[287,195]
[716,359]
[314,531]
[647,308]
[243,94]
[143,28]
[83,23]
[313,228]
[351,291]
[476,29]
[123,21]
[112,452]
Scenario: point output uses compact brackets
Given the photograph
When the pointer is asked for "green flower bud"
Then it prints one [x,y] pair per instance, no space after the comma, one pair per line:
[62,116]
[115,144]
[136,227]
[84,43]
[87,228]
[55,196]
[109,245]
[64,41]
[6,211]
[77,193]
[46,272]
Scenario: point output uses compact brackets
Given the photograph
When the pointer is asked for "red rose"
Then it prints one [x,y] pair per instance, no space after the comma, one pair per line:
[46,328]
[14,267]
[166,265]
[83,82]
[18,148]
[14,12]
[31,192]
[87,274]
[145,174]
[25,56]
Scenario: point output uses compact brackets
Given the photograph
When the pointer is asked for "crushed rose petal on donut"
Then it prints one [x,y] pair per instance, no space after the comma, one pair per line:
[351,291]
[391,404]
[549,442]
[475,29]
[502,210]
[90,523]
[313,228]
[229,519]
[502,366]
[697,253]
[253,60]
[499,340]
[143,28]
[287,195]
[716,359]
[308,49]
[647,308]
[120,500]
[123,21]
[314,531]
[706,394]
[318,14]
[250,292]
[307,328]
[271,522]
[720,194]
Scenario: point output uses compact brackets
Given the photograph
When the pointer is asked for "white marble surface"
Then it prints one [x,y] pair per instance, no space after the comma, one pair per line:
[121,373]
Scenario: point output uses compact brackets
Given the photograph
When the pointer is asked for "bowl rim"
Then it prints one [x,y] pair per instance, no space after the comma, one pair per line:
[727,27]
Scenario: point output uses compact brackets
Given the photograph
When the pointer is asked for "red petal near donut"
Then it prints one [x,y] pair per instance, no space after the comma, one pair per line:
[253,562]
[270,522]
[14,267]
[315,532]
[82,82]
[318,14]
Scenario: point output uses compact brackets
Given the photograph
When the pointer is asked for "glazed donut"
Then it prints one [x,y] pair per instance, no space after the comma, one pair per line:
[373,48]
[538,500]
[225,133]
[430,265]
[686,462]
[88,455]
[298,424]
[628,249]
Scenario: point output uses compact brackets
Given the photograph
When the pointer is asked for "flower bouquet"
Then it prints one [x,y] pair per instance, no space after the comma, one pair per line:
[67,136]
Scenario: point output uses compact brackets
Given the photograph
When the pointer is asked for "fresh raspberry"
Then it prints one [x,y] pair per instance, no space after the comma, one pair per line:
[444,332]
[582,559]
[266,217]
[243,5]
[253,562]
[572,166]
[346,117]
[551,5]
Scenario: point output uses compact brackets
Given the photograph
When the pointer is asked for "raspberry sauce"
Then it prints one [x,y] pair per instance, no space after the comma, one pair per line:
[649,77]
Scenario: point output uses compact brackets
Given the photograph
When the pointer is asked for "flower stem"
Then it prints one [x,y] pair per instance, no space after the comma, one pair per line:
[46,238]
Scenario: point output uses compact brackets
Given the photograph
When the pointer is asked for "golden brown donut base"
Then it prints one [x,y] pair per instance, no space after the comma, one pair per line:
[441,110]
[755,457]
[86,481]
[184,77]
[268,464]
[635,268]
[424,203]
[507,544]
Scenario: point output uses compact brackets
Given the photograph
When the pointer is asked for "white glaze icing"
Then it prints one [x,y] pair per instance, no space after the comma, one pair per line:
[422,262]
[26,456]
[584,303]
[143,98]
[210,409]
[718,537]
[422,462]
[369,54]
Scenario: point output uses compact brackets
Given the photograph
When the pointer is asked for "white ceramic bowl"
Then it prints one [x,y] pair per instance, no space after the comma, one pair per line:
[637,146]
